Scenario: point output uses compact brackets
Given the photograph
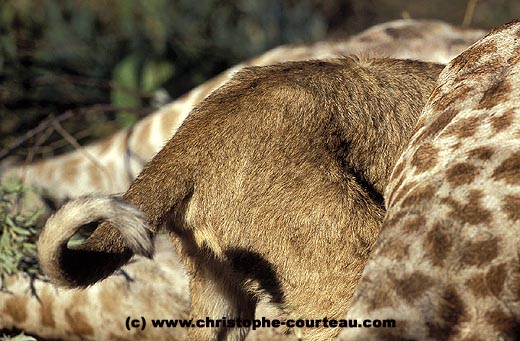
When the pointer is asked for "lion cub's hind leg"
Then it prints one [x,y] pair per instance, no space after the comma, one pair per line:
[216,302]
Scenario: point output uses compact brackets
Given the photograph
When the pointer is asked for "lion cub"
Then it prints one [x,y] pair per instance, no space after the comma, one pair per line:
[270,190]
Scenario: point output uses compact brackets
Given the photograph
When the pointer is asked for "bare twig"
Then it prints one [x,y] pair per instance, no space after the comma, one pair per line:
[41,127]
[65,134]
[30,156]
[48,122]
[90,82]
[53,146]
[470,11]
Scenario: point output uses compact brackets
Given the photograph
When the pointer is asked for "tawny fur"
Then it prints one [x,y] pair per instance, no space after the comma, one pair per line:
[272,189]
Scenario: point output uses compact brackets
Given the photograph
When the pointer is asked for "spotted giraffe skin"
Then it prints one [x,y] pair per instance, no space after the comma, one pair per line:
[82,316]
[121,157]
[446,265]
[100,312]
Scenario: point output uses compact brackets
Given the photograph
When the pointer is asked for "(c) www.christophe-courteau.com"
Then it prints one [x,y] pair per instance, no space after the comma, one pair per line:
[140,323]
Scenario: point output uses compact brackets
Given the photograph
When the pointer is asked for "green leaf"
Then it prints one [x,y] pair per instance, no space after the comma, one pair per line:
[9,221]
[21,231]
[22,337]
[126,83]
[156,74]
[125,92]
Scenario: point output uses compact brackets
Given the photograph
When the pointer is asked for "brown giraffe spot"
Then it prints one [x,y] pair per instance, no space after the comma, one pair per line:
[514,59]
[106,298]
[47,308]
[496,94]
[496,278]
[472,212]
[378,299]
[401,191]
[447,101]
[437,244]
[436,126]
[511,206]
[419,194]
[477,285]
[481,153]
[398,170]
[425,158]
[502,122]
[15,307]
[170,121]
[403,33]
[482,70]
[471,57]
[513,280]
[478,253]
[490,283]
[509,170]
[70,172]
[78,323]
[451,311]
[76,320]
[40,168]
[504,323]
[463,128]
[104,146]
[413,225]
[461,174]
[393,219]
[367,39]
[95,174]
[394,249]
[412,286]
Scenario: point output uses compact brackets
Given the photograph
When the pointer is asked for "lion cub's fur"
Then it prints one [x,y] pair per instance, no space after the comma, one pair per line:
[270,190]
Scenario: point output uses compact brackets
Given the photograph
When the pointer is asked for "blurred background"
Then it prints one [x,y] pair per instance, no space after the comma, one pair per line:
[104,64]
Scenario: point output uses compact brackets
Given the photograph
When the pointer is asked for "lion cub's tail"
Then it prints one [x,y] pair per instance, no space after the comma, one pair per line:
[83,265]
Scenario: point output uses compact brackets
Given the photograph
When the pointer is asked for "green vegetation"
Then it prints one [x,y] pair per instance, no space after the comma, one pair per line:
[109,63]
[106,61]
[19,228]
[19,337]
